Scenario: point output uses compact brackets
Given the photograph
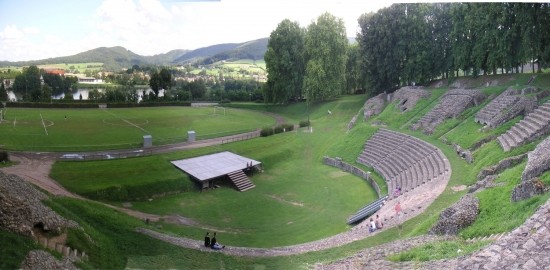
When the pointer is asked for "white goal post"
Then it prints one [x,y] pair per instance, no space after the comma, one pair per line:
[216,108]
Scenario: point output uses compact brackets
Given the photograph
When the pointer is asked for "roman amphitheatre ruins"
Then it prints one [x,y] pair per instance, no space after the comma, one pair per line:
[409,138]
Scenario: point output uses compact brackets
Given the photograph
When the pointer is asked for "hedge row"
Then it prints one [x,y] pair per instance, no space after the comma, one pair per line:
[268,131]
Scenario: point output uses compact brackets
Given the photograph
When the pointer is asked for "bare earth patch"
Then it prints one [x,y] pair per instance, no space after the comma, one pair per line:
[285,201]
[458,188]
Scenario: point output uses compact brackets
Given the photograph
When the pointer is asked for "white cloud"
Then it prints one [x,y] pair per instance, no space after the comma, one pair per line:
[11,33]
[150,27]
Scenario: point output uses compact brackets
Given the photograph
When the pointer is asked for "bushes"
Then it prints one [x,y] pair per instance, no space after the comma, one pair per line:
[4,156]
[304,123]
[268,131]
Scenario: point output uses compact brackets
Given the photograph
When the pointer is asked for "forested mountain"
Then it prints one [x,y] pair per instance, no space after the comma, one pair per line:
[254,49]
[113,58]
[116,58]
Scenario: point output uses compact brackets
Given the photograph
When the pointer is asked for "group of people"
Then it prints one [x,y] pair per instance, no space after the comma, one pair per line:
[212,242]
[375,224]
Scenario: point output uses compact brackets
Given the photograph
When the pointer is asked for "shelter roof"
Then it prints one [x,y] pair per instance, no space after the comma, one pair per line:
[213,165]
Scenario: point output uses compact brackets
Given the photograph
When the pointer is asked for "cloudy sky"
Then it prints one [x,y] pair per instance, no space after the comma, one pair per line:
[38,29]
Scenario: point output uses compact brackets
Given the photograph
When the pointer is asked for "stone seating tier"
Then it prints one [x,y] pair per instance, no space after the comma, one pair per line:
[405,161]
[526,129]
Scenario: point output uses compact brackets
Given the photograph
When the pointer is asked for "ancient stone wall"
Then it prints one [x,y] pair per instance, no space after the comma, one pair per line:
[39,259]
[21,208]
[407,97]
[501,166]
[450,105]
[374,105]
[538,161]
[457,216]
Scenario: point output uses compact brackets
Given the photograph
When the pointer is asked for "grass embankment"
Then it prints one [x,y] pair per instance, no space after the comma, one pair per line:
[99,129]
[297,198]
[271,214]
[14,248]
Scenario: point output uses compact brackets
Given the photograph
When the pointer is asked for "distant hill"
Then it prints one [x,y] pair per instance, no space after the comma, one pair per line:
[165,58]
[116,58]
[254,49]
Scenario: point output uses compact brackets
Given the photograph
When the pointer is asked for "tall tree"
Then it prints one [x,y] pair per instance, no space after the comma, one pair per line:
[284,60]
[325,54]
[28,82]
[3,92]
[165,79]
[354,77]
[155,83]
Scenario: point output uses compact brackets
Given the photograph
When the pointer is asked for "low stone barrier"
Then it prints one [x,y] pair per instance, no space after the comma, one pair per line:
[338,163]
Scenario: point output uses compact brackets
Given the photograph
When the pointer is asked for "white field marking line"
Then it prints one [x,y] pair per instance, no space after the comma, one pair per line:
[44,125]
[130,123]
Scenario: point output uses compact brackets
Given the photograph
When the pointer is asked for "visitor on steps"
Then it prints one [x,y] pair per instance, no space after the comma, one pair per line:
[207,240]
[214,243]
[372,226]
[378,223]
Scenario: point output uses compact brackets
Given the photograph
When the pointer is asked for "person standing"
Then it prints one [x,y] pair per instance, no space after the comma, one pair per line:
[378,223]
[207,240]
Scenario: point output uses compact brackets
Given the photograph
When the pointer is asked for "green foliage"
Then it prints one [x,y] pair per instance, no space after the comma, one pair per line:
[303,123]
[325,53]
[3,92]
[284,61]
[438,251]
[407,43]
[27,84]
[266,131]
[4,156]
[14,248]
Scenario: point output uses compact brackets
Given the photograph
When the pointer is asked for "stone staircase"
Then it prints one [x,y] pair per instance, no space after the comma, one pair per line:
[492,237]
[241,181]
[529,128]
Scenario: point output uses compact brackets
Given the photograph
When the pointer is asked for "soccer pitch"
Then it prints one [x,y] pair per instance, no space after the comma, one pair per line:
[100,129]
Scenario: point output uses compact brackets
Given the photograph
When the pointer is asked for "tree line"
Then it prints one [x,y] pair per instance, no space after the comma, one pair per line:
[306,62]
[405,44]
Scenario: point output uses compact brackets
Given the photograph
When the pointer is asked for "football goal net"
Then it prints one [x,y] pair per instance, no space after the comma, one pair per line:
[219,110]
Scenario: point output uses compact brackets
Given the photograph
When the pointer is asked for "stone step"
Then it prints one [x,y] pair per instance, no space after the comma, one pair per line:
[504,142]
[515,136]
[528,127]
[534,123]
[539,119]
[520,129]
[544,113]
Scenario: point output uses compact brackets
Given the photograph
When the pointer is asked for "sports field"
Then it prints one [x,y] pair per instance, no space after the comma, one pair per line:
[98,129]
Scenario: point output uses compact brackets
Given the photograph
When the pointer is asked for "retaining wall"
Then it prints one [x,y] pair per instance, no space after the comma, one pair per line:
[335,162]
